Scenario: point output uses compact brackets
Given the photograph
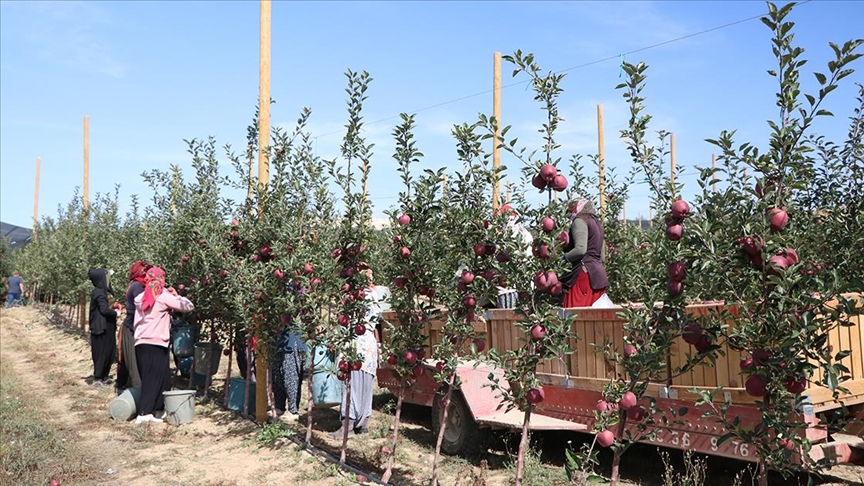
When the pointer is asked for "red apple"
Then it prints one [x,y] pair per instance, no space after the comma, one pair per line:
[674,288]
[538,332]
[538,182]
[226,352]
[680,209]
[602,406]
[777,219]
[760,356]
[439,367]
[541,251]
[502,256]
[308,268]
[606,438]
[421,353]
[548,224]
[564,238]
[404,252]
[703,343]
[540,280]
[234,222]
[791,256]
[480,345]
[480,249]
[692,333]
[342,376]
[467,277]
[548,172]
[629,350]
[796,383]
[469,301]
[315,281]
[223,273]
[535,395]
[360,329]
[777,263]
[410,357]
[756,385]
[400,282]
[357,365]
[404,219]
[418,370]
[336,253]
[344,365]
[559,183]
[489,249]
[677,271]
[551,279]
[397,238]
[392,360]
[674,232]
[628,400]
[279,274]
[746,363]
[556,289]
[343,320]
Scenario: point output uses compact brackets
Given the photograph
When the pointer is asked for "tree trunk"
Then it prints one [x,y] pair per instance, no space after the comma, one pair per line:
[248,376]
[230,358]
[616,456]
[388,471]
[443,425]
[271,400]
[763,473]
[523,447]
[346,420]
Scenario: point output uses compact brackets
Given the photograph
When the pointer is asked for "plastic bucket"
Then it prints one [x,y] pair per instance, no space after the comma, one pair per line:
[326,388]
[183,341]
[205,356]
[237,393]
[179,406]
[125,405]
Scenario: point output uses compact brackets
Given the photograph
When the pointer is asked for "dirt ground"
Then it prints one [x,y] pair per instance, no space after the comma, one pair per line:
[51,366]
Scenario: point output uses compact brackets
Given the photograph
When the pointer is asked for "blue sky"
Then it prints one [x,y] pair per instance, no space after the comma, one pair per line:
[151,74]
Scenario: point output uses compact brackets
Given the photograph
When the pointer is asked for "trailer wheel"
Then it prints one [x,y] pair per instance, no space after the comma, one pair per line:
[462,436]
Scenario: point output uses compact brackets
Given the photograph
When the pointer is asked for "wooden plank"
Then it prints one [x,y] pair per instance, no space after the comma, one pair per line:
[856,345]
[581,368]
[845,343]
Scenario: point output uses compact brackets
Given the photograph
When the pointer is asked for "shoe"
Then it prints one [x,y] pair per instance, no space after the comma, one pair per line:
[98,384]
[159,414]
[361,430]
[337,435]
[290,417]
[277,414]
[149,418]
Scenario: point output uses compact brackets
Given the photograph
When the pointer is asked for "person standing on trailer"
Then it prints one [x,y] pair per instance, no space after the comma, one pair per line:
[586,281]
[127,365]
[152,324]
[103,327]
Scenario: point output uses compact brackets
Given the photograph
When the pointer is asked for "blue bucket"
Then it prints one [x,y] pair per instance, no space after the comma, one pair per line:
[185,366]
[183,341]
[326,388]
[237,393]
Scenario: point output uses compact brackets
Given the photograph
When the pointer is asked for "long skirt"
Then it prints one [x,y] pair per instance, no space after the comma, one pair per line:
[103,349]
[362,384]
[127,367]
[155,368]
[287,373]
[581,294]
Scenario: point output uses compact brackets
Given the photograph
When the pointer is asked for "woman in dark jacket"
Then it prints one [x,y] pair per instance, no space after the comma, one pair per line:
[587,281]
[103,327]
[127,367]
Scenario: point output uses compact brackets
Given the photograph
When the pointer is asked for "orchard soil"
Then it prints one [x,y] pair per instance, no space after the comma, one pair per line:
[51,368]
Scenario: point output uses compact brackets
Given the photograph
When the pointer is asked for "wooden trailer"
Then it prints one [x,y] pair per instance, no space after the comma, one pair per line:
[573,386]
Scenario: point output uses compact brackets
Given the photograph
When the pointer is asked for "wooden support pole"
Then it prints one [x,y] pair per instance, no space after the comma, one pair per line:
[86,188]
[624,212]
[601,162]
[508,193]
[36,197]
[672,159]
[714,166]
[496,112]
[263,177]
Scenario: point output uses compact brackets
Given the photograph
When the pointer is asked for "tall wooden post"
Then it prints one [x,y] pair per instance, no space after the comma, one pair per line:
[86,187]
[672,159]
[496,112]
[508,193]
[36,197]
[601,162]
[263,177]
[714,166]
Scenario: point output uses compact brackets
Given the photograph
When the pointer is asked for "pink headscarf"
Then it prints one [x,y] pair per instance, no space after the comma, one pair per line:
[154,284]
[577,206]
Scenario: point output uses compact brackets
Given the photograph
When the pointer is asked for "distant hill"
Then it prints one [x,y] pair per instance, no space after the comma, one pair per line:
[15,235]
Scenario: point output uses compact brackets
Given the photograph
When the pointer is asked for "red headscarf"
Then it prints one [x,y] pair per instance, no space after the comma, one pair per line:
[154,284]
[138,271]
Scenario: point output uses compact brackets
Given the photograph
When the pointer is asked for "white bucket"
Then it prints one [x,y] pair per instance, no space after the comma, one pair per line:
[179,406]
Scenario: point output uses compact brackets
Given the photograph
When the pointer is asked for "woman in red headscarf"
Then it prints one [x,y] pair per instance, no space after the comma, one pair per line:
[153,309]
[587,281]
[127,366]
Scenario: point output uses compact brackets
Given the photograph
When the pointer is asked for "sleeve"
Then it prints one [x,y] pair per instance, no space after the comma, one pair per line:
[579,235]
[104,308]
[177,303]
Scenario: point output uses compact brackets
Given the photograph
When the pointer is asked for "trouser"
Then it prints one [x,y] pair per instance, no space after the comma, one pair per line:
[287,371]
[103,348]
[360,410]
[10,298]
[155,370]
[127,367]
[581,294]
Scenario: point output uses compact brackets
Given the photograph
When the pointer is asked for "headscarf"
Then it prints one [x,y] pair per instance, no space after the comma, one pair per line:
[138,271]
[154,284]
[579,205]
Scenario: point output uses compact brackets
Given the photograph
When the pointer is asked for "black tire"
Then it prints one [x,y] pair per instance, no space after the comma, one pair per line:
[462,436]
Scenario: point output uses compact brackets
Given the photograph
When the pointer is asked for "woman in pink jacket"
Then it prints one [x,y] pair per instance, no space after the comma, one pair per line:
[153,309]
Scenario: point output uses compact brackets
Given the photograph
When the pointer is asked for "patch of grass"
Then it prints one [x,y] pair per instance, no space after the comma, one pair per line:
[534,472]
[695,470]
[30,451]
[318,474]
